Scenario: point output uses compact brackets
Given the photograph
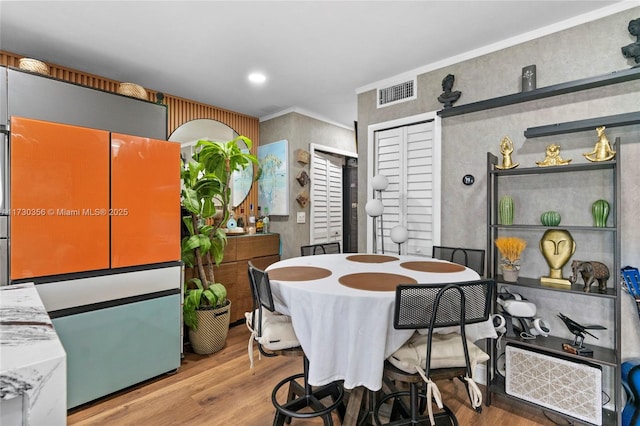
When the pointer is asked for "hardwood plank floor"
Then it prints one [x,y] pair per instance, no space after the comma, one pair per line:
[221,390]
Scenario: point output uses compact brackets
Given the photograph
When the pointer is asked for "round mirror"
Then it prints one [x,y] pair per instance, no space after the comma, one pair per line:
[189,133]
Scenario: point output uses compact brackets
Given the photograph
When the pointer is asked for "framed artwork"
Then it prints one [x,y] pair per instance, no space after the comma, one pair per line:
[273,185]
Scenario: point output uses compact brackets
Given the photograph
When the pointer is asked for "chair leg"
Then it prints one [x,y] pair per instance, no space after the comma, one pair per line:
[301,395]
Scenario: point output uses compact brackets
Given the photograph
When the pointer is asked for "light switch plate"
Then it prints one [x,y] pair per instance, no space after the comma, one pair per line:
[301,217]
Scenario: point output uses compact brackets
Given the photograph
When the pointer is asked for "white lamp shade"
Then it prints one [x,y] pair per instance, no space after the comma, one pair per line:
[399,234]
[380,182]
[374,208]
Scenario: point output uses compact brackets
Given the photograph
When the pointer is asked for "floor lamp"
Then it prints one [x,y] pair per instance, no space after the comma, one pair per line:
[399,234]
[375,207]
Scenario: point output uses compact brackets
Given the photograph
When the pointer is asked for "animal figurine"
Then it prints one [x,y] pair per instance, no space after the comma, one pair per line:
[506,148]
[552,157]
[591,272]
[602,150]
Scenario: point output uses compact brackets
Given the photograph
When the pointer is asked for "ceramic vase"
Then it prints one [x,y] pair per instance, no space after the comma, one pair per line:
[600,211]
[550,218]
[505,210]
[510,275]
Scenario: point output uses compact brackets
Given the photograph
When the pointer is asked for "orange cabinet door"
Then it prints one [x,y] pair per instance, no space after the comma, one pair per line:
[145,201]
[59,198]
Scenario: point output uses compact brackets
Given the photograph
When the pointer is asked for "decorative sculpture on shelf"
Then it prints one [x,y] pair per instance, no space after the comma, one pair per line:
[633,50]
[552,157]
[602,150]
[591,272]
[557,247]
[579,331]
[448,98]
[506,148]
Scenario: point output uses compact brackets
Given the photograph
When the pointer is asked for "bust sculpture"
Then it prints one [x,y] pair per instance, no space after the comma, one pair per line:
[448,98]
[557,247]
[633,50]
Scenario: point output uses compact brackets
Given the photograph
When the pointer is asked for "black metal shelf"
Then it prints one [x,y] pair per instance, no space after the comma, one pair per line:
[567,227]
[545,92]
[574,288]
[582,125]
[578,167]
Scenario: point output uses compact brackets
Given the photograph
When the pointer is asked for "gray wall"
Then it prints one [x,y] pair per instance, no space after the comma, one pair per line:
[301,131]
[587,50]
[584,51]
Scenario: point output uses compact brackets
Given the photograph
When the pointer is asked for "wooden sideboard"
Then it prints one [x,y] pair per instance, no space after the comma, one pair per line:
[261,249]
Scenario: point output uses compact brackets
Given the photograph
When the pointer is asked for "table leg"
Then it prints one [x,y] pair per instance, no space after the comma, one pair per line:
[356,398]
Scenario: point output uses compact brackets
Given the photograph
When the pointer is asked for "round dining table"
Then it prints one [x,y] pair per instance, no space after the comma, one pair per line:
[342,309]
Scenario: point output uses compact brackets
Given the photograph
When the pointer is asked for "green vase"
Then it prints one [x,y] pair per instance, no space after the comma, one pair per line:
[550,218]
[600,212]
[505,209]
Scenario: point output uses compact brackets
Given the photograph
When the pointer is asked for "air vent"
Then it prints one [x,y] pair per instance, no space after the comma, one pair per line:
[397,93]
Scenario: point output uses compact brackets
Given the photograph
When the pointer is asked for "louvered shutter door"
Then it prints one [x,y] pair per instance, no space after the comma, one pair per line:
[326,203]
[405,156]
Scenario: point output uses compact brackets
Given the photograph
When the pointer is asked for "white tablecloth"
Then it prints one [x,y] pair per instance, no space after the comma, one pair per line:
[348,333]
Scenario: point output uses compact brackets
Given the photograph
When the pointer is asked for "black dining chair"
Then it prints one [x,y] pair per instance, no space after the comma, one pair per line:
[421,361]
[471,258]
[274,335]
[321,248]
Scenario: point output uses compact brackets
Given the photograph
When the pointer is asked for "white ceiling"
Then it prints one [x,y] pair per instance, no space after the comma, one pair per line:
[316,54]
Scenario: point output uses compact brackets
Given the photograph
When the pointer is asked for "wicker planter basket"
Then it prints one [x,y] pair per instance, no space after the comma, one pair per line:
[133,90]
[213,326]
[33,65]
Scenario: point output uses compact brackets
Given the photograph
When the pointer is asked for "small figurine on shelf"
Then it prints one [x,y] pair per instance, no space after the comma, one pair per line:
[506,148]
[448,97]
[602,150]
[579,331]
[591,272]
[553,157]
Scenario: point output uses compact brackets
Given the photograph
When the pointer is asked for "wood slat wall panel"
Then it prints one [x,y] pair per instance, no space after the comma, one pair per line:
[179,110]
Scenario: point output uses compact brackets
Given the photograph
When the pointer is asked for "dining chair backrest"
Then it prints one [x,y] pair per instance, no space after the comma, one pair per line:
[471,258]
[453,304]
[260,288]
[420,306]
[321,248]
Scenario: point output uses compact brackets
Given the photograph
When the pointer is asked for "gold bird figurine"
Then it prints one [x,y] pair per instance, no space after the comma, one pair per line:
[602,150]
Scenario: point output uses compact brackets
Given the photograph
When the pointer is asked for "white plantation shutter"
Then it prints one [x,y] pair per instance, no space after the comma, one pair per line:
[405,156]
[326,203]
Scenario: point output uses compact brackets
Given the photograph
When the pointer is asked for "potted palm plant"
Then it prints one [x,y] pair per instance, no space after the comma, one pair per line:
[206,191]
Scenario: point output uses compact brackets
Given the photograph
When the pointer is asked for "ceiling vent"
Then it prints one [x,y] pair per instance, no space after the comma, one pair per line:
[397,93]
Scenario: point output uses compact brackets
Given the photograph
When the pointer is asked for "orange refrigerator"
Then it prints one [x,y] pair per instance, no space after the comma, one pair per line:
[91,209]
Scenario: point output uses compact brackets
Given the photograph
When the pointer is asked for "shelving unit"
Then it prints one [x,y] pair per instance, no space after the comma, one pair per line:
[604,356]
[552,346]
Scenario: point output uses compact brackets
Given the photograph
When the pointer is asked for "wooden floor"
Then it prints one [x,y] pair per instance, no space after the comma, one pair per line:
[221,390]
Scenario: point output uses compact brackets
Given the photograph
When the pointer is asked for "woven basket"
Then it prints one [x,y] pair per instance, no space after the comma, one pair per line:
[133,90]
[213,326]
[33,65]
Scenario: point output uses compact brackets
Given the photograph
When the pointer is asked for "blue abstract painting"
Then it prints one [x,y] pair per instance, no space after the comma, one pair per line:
[273,185]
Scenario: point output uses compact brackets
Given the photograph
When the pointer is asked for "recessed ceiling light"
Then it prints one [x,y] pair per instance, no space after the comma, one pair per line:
[257,77]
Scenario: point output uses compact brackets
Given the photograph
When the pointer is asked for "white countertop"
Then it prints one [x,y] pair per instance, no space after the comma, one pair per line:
[32,359]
